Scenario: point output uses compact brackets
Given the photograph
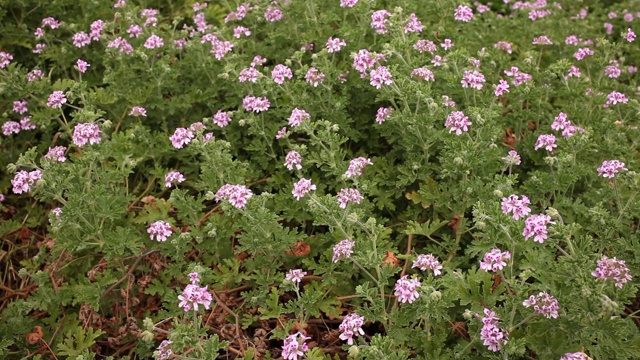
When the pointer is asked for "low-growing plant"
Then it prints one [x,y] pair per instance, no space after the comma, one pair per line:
[319,179]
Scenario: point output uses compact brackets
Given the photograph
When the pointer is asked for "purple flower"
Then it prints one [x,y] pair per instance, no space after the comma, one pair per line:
[348,3]
[281,133]
[334,45]
[405,289]
[82,65]
[86,132]
[298,116]
[193,296]
[379,21]
[356,165]
[575,356]
[20,106]
[492,336]
[612,269]
[238,31]
[293,159]
[536,226]
[423,73]
[160,229]
[504,46]
[294,346]
[543,304]
[81,39]
[295,275]
[546,141]
[457,121]
[56,154]
[173,177]
[138,111]
[513,204]
[237,195]
[34,74]
[5,59]
[10,127]
[615,97]
[343,249]
[56,99]
[222,118]
[23,181]
[463,13]
[255,104]
[494,260]
[542,40]
[380,76]
[512,158]
[582,53]
[347,195]
[164,350]
[473,79]
[248,74]
[629,35]
[425,46]
[383,114]
[154,41]
[501,88]
[181,137]
[414,25]
[351,327]
[273,13]
[121,45]
[610,168]
[301,188]
[427,261]
[280,72]
[314,77]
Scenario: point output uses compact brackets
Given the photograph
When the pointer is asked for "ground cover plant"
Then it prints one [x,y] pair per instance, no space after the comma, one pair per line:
[319,179]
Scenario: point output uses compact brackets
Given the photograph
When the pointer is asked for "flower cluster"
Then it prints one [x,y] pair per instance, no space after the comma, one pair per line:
[614,98]
[512,158]
[23,181]
[293,159]
[492,336]
[427,261]
[536,226]
[255,104]
[473,79]
[348,195]
[561,122]
[160,229]
[222,118]
[575,356]
[138,111]
[84,133]
[356,165]
[405,289]
[383,114]
[613,269]
[495,260]
[294,346]
[295,275]
[547,141]
[237,195]
[298,116]
[56,154]
[457,121]
[610,168]
[513,204]
[172,178]
[194,295]
[351,327]
[56,99]
[543,304]
[280,72]
[301,188]
[343,249]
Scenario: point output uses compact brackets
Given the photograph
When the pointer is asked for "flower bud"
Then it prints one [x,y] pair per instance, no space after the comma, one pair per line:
[147,336]
[148,324]
[498,193]
[458,160]
[354,351]
[209,195]
[353,218]
[242,122]
[481,225]
[107,124]
[467,314]
[435,295]
[552,212]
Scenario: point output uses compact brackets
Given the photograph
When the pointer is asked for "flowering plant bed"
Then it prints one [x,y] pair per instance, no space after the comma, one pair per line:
[319,180]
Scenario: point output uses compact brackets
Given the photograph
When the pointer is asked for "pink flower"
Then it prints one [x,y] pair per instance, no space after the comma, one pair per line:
[536,226]
[81,39]
[181,137]
[82,65]
[134,31]
[138,111]
[405,289]
[495,260]
[610,168]
[457,121]
[383,114]
[280,72]
[56,99]
[294,346]
[23,181]
[543,304]
[347,195]
[160,229]
[427,262]
[334,45]
[351,326]
[301,188]
[56,154]
[513,204]
[193,296]
[447,44]
[473,79]
[446,101]
[343,250]
[121,45]
[173,177]
[547,141]
[20,106]
[25,123]
[281,133]
[298,116]
[614,98]
[379,21]
[154,41]
[295,275]
[380,76]
[293,159]
[273,13]
[356,165]
[258,61]
[573,72]
[612,269]
[518,77]
[504,46]
[575,356]
[5,59]
[630,35]
[237,195]
[365,60]
[501,88]
[33,75]
[583,53]
[255,104]
[348,3]
[10,127]
[423,73]
[414,25]
[613,71]
[463,13]
[248,74]
[542,40]
[84,133]
[425,46]
[314,77]
[492,336]
[222,118]
[238,31]
[512,158]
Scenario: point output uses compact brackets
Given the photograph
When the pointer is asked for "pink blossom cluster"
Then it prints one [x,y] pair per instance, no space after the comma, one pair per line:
[173,178]
[295,275]
[121,45]
[20,106]
[351,327]
[575,356]
[335,44]
[613,269]
[239,14]
[348,195]
[513,204]
[616,97]
[561,122]
[255,104]
[138,111]
[423,73]
[56,99]
[463,13]
[153,42]
[446,101]
[343,250]
[14,127]
[365,60]
[423,46]
[164,351]
[494,260]
[5,59]
[222,118]
[348,3]
[56,154]
[546,141]
[379,21]
[427,262]
[294,346]
[492,336]
[582,53]
[314,77]
[356,165]
[194,295]
[501,88]
[56,220]
[413,25]
[34,74]
[518,77]
[542,40]
[536,226]
[237,195]
[248,74]
[273,13]
[84,133]
[613,71]
[181,137]
[383,114]
[160,229]
[293,159]
[574,71]
[473,79]
[405,289]
[504,46]
[457,121]
[380,76]
[512,158]
[301,188]
[543,304]
[610,168]
[298,116]
[280,72]
[23,181]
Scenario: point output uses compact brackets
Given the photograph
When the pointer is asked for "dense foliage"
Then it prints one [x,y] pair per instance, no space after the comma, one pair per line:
[371,179]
